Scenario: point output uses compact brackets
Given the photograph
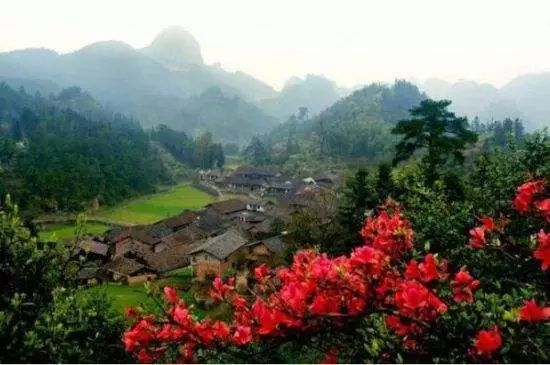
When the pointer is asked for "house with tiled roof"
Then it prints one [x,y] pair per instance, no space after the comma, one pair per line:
[123,268]
[227,207]
[217,254]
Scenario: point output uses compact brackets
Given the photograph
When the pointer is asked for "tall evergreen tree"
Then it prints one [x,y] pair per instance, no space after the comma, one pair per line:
[435,129]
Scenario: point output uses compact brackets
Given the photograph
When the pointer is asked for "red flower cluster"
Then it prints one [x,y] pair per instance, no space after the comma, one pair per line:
[463,287]
[525,195]
[543,249]
[313,291]
[427,271]
[487,341]
[390,234]
[532,312]
[478,237]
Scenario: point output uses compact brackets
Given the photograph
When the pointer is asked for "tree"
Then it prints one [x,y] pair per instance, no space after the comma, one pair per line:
[434,128]
[384,182]
[359,196]
[256,152]
[41,319]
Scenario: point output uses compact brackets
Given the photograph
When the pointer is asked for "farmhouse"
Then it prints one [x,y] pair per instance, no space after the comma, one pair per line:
[171,258]
[267,247]
[227,207]
[217,254]
[93,249]
[122,269]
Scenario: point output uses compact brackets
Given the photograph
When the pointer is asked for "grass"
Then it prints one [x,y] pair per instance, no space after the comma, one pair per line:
[66,231]
[151,208]
[124,296]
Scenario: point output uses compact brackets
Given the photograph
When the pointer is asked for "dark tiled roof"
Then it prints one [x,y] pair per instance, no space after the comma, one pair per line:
[274,244]
[209,221]
[223,245]
[252,217]
[123,265]
[144,235]
[87,273]
[117,234]
[246,181]
[180,220]
[228,206]
[94,246]
[251,170]
[171,258]
[187,235]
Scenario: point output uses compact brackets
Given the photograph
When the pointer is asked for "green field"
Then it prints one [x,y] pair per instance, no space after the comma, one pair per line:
[151,208]
[66,231]
[124,296]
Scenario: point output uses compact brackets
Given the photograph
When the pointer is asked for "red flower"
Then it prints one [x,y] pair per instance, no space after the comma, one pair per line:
[331,357]
[477,237]
[531,312]
[543,208]
[220,329]
[412,298]
[356,305]
[525,194]
[130,312]
[170,294]
[543,250]
[463,287]
[242,335]
[426,271]
[261,272]
[488,223]
[325,304]
[181,314]
[144,356]
[488,341]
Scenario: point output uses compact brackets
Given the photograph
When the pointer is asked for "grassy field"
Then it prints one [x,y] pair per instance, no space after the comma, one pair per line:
[151,208]
[124,296]
[65,231]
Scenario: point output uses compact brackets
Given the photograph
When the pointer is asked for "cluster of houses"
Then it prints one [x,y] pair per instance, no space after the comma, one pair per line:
[219,237]
[264,182]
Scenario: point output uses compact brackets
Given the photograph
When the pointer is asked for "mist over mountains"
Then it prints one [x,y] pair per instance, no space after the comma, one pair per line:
[169,83]
[525,97]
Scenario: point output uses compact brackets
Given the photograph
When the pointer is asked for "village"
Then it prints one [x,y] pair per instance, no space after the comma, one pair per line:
[230,235]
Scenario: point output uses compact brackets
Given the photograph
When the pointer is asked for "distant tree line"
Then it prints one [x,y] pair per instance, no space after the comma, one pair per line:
[200,152]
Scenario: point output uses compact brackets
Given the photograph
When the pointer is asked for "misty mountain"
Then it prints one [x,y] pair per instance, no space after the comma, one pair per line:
[315,92]
[161,76]
[525,97]
[227,118]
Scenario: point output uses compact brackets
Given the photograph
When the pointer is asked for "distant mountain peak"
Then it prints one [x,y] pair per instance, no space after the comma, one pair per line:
[176,49]
[106,47]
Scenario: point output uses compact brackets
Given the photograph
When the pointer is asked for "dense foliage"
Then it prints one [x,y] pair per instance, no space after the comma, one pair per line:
[41,318]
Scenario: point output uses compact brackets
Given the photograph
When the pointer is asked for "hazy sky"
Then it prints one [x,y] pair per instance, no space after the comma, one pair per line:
[351,42]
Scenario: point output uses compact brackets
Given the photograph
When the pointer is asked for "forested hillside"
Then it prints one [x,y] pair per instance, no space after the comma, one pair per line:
[64,152]
[355,127]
